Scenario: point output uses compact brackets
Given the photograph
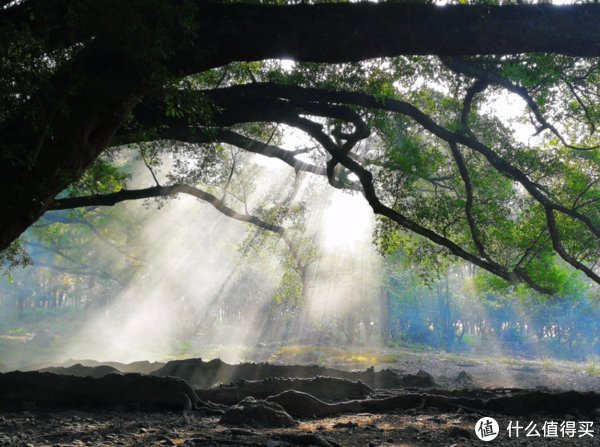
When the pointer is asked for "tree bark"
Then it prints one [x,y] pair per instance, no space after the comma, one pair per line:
[355,32]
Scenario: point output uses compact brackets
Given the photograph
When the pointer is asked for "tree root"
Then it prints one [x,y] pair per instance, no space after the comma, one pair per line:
[300,404]
[30,390]
[324,388]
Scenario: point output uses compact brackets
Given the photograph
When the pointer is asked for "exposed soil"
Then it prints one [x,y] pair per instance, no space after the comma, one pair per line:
[410,428]
[282,405]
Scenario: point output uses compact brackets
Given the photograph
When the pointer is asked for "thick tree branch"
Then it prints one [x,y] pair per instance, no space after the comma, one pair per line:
[477,87]
[288,103]
[267,150]
[203,135]
[560,249]
[158,191]
[172,190]
[388,29]
[366,179]
[254,93]
[502,165]
[464,174]
[228,110]
[90,97]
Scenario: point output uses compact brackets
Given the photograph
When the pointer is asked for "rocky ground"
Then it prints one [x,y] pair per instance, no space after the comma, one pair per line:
[410,428]
[395,407]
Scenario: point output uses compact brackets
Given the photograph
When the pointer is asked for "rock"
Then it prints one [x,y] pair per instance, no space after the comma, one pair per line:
[257,413]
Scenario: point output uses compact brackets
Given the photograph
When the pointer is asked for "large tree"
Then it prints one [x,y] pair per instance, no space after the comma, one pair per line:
[81,76]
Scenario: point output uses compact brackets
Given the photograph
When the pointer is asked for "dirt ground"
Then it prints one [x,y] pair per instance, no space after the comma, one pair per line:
[412,427]
[506,372]
[494,369]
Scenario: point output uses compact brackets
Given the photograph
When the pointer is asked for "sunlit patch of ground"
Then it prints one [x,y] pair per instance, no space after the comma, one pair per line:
[331,355]
[169,429]
[411,428]
[486,370]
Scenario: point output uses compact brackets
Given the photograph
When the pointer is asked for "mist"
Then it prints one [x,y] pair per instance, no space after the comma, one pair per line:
[206,283]
[200,284]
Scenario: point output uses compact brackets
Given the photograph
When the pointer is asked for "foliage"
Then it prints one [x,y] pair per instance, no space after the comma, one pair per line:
[489,316]
[453,179]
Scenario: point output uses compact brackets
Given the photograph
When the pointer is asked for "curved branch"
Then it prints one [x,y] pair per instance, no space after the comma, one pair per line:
[195,135]
[478,86]
[158,191]
[266,91]
[172,190]
[267,102]
[366,179]
[464,173]
[267,150]
[282,100]
[229,110]
[560,249]
[487,77]
[549,210]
